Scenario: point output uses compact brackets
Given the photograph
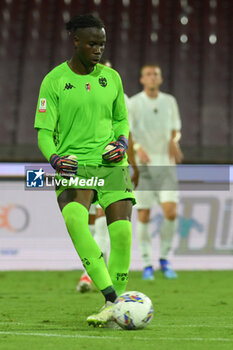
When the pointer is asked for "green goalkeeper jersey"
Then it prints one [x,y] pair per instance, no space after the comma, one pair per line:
[85,112]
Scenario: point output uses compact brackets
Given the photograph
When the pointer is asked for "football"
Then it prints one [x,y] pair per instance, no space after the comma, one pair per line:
[133,310]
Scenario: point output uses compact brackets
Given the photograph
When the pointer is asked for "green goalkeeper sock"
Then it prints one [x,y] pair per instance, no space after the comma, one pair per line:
[119,260]
[76,219]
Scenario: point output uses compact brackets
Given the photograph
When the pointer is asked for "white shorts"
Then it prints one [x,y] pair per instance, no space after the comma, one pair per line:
[92,210]
[156,185]
[146,199]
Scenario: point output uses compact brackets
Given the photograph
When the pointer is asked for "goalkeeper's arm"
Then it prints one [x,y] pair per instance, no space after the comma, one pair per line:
[65,165]
[46,143]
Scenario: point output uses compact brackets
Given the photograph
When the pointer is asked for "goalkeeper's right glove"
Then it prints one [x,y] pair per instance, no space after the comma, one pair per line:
[117,151]
[66,166]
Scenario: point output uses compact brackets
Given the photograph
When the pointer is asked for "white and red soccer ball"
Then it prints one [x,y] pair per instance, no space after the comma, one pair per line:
[133,310]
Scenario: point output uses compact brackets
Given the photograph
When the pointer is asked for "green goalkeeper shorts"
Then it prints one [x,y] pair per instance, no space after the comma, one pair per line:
[110,183]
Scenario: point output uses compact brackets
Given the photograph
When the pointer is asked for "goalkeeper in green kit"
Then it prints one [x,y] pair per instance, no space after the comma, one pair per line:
[82,103]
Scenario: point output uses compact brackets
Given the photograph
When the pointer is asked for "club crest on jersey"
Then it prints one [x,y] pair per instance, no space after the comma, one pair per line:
[42,105]
[103,81]
[88,87]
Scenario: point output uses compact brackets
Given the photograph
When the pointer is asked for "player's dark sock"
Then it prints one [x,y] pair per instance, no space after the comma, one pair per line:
[109,294]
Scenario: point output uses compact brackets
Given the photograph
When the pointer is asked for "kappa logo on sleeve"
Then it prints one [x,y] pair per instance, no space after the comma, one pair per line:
[42,105]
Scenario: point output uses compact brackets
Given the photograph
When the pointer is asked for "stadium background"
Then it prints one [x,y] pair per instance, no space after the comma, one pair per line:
[192,41]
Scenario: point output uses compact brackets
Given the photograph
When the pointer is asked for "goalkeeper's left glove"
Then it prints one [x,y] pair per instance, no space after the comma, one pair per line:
[115,150]
[66,166]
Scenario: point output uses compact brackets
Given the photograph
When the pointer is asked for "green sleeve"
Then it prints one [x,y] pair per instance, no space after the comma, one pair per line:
[120,121]
[46,143]
[47,106]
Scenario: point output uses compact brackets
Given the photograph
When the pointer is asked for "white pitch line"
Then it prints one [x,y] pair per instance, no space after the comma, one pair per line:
[100,337]
[191,326]
[153,325]
[196,339]
[81,336]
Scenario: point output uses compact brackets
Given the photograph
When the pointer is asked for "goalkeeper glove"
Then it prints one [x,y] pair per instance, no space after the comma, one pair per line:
[115,150]
[66,166]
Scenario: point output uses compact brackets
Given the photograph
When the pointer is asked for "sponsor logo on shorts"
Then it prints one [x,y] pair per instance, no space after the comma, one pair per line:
[128,190]
[42,105]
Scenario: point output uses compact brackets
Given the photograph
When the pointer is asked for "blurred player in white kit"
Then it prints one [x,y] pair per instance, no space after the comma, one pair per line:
[155,126]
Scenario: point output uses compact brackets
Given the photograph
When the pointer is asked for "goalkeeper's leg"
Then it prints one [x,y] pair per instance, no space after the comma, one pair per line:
[118,218]
[99,230]
[76,218]
[85,283]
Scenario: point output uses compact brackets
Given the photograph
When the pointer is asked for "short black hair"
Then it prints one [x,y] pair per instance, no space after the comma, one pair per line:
[84,21]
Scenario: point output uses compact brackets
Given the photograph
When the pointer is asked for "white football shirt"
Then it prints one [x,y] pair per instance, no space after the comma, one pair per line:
[127,102]
[151,123]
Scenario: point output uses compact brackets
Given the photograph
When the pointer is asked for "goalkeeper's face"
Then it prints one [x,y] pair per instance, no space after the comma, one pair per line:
[151,77]
[90,45]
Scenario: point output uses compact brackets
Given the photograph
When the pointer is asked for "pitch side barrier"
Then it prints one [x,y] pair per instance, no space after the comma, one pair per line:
[33,233]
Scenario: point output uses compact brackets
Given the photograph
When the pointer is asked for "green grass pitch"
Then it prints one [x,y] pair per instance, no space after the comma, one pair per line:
[42,310]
